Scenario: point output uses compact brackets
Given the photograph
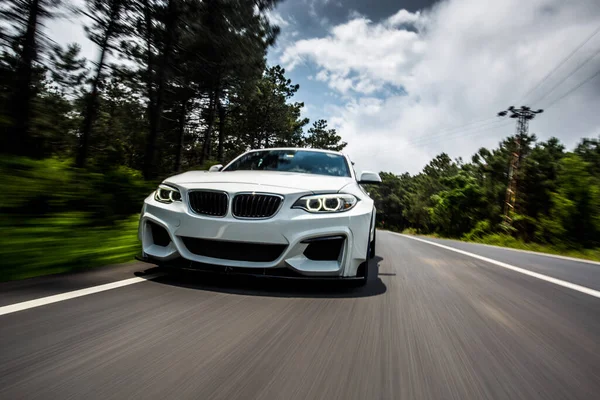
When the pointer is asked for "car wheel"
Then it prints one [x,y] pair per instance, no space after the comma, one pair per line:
[372,245]
[363,275]
[363,269]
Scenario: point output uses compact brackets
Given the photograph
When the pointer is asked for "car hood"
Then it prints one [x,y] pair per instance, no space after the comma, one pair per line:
[272,179]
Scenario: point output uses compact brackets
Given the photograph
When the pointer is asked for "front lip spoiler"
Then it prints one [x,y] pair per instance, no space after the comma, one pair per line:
[219,270]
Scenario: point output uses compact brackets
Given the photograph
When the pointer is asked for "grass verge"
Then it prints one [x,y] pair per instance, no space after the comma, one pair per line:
[63,242]
[513,243]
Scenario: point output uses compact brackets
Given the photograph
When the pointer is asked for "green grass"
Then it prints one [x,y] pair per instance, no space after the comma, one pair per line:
[61,243]
[513,243]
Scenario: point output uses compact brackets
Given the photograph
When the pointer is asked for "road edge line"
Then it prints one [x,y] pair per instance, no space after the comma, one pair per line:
[535,253]
[42,301]
[559,282]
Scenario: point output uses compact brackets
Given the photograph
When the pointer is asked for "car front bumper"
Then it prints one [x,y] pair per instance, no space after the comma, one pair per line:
[309,245]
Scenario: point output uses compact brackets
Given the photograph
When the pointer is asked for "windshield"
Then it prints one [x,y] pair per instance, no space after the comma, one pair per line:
[302,161]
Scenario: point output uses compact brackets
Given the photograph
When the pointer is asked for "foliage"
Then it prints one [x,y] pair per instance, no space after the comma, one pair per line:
[319,137]
[557,205]
[63,242]
[52,186]
[60,218]
[503,240]
[175,85]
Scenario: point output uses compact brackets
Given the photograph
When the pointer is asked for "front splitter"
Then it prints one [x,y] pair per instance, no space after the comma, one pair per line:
[220,270]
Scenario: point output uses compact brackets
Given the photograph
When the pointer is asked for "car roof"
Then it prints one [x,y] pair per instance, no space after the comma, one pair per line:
[298,149]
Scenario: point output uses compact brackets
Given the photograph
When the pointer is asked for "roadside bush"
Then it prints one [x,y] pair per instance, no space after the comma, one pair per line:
[64,242]
[51,186]
[481,229]
[56,218]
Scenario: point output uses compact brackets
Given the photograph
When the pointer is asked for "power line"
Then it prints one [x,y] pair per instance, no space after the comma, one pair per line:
[581,65]
[465,133]
[443,133]
[560,64]
[475,132]
[573,89]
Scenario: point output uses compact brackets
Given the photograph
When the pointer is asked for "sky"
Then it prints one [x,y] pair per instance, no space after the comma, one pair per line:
[403,81]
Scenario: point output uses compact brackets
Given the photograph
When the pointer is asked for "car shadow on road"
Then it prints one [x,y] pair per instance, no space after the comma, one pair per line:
[272,286]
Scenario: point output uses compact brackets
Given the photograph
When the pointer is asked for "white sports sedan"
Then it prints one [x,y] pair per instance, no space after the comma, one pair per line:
[288,212]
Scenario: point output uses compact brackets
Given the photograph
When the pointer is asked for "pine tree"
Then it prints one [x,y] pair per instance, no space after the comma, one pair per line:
[319,137]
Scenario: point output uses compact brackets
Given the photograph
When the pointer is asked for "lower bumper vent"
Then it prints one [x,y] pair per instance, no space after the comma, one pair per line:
[324,248]
[237,251]
[160,236]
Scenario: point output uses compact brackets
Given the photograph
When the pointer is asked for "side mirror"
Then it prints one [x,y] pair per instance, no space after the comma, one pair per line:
[215,168]
[369,178]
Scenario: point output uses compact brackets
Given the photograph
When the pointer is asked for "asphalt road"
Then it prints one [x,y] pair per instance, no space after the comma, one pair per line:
[431,324]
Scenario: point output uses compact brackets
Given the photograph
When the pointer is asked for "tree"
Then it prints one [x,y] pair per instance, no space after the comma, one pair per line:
[575,204]
[319,137]
[68,70]
[589,151]
[456,210]
[25,40]
[171,32]
[538,177]
[268,118]
[107,27]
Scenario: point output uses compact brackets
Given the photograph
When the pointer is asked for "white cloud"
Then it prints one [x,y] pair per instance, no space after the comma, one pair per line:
[462,61]
[403,17]
[276,19]
[322,76]
[377,52]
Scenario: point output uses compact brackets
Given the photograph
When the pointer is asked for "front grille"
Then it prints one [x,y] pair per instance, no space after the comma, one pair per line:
[250,205]
[208,203]
[237,251]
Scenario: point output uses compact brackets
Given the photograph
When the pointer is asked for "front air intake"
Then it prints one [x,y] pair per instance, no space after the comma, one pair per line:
[236,251]
[327,248]
[160,236]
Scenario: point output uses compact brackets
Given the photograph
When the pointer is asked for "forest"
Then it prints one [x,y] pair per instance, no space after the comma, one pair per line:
[557,204]
[184,84]
[176,85]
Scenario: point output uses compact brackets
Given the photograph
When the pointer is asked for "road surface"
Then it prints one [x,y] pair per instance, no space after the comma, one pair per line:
[431,324]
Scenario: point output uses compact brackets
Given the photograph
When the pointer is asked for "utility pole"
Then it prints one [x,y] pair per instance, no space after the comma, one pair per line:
[523,115]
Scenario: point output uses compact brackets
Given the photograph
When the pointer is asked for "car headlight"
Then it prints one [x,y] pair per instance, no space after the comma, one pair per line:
[167,194]
[326,203]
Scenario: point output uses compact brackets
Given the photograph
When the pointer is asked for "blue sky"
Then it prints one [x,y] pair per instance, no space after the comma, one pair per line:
[306,19]
[404,81]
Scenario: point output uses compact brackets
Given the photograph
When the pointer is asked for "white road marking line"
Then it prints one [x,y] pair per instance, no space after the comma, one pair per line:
[555,281]
[537,253]
[71,295]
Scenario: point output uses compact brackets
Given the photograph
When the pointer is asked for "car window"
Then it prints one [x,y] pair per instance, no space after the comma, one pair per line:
[301,161]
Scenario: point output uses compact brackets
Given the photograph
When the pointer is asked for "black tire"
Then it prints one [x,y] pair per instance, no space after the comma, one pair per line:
[364,267]
[364,275]
[363,282]
[372,245]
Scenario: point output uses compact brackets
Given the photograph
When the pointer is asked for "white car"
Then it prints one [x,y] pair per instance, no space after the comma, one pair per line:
[288,212]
